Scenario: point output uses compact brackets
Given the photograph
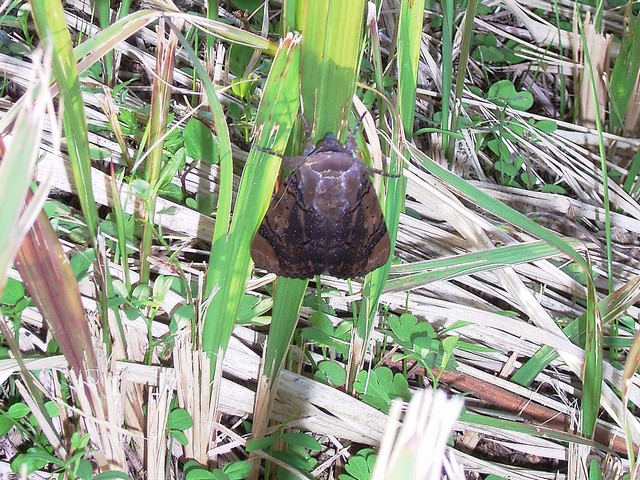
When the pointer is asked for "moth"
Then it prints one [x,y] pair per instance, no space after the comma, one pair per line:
[326,219]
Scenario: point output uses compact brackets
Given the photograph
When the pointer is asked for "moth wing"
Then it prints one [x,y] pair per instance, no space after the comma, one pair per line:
[378,244]
[263,254]
[279,246]
[366,245]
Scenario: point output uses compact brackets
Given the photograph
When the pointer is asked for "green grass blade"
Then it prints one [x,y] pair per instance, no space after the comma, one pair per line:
[96,47]
[409,38]
[224,31]
[524,428]
[631,366]
[287,300]
[625,68]
[103,12]
[376,56]
[610,307]
[212,14]
[329,61]
[631,184]
[223,212]
[448,14]
[422,273]
[230,261]
[393,204]
[53,31]
[467,34]
[120,222]
[409,42]
[496,207]
[592,367]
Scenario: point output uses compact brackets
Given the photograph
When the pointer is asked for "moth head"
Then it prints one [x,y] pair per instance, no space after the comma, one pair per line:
[331,144]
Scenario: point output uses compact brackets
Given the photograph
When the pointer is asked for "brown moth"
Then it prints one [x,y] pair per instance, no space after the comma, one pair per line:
[326,219]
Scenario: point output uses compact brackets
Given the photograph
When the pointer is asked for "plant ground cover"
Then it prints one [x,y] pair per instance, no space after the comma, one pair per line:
[139,342]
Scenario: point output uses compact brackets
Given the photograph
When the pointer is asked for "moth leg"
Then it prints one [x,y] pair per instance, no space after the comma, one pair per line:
[374,171]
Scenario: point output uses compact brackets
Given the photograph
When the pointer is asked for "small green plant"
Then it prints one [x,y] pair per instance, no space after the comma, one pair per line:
[296,454]
[17,415]
[109,228]
[14,299]
[501,139]
[40,454]
[331,373]
[422,344]
[199,143]
[488,51]
[252,309]
[231,471]
[142,302]
[22,17]
[243,113]
[66,222]
[130,123]
[202,147]
[179,421]
[380,386]
[332,340]
[360,466]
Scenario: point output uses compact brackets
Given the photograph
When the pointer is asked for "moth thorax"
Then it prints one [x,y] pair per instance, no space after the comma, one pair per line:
[336,191]
[330,199]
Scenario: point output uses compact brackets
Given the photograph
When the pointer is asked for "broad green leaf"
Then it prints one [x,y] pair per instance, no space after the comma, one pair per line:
[179,419]
[18,411]
[237,470]
[503,93]
[331,373]
[13,292]
[303,440]
[199,142]
[379,386]
[360,466]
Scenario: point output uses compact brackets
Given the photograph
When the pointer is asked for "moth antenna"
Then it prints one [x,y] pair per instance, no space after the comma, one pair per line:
[309,145]
[267,150]
[352,143]
[305,126]
[359,122]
